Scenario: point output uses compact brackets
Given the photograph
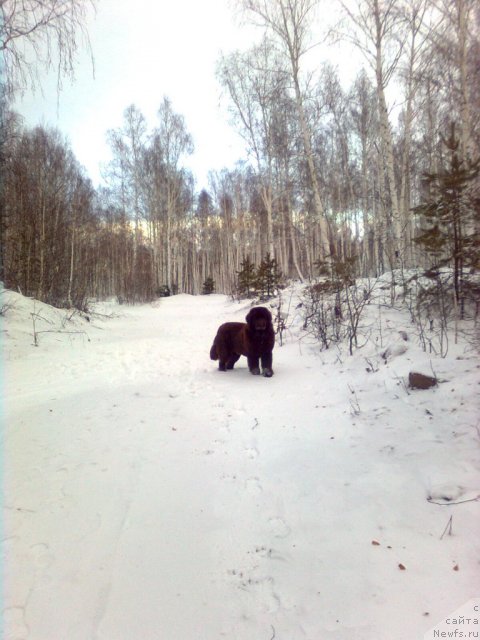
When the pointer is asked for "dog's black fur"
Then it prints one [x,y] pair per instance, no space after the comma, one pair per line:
[254,339]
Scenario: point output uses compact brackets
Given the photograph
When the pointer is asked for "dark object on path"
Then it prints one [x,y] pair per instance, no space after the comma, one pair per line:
[421,381]
[254,339]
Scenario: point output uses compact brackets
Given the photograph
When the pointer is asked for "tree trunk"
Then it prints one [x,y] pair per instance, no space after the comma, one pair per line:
[393,221]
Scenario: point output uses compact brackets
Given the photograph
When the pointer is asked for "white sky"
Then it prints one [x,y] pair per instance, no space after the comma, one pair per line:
[143,50]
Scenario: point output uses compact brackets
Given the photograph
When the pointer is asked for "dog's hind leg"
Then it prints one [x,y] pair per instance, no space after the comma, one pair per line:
[232,360]
[224,356]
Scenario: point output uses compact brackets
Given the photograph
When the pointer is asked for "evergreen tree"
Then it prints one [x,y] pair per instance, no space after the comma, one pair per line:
[246,279]
[451,218]
[268,278]
[205,206]
[208,286]
[338,275]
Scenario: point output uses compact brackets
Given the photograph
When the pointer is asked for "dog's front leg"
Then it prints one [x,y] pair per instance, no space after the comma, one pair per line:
[267,365]
[253,365]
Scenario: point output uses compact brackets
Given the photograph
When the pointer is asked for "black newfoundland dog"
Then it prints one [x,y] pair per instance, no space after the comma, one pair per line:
[254,339]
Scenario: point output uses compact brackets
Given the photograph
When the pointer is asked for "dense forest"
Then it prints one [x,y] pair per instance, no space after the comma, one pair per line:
[380,175]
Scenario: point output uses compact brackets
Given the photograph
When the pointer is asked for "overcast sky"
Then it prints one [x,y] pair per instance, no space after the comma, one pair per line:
[143,50]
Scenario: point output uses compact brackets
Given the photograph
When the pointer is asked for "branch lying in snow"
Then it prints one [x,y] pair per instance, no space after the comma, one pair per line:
[354,404]
[83,333]
[36,333]
[450,502]
[6,307]
[448,528]
[401,381]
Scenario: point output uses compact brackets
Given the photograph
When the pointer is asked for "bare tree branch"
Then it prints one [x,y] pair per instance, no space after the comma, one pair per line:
[37,35]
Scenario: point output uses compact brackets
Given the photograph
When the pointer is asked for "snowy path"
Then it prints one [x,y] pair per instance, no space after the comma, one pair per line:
[150,496]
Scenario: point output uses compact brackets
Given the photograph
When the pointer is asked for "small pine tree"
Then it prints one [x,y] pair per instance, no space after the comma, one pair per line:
[246,278]
[208,286]
[339,273]
[450,230]
[268,278]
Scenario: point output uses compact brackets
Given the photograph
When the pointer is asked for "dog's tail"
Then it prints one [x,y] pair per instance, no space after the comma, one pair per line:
[213,352]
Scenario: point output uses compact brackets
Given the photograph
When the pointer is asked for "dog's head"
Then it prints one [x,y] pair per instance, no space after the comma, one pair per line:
[259,319]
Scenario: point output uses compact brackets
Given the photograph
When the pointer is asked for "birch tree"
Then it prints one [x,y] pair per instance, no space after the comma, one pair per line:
[175,142]
[456,40]
[289,21]
[125,173]
[364,119]
[416,17]
[36,35]
[255,81]
[378,33]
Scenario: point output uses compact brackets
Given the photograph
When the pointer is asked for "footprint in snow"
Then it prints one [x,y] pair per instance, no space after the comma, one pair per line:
[41,556]
[14,623]
[252,485]
[268,554]
[263,592]
[279,528]
[228,478]
[259,590]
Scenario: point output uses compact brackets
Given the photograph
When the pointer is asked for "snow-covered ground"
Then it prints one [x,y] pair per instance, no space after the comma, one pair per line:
[149,496]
